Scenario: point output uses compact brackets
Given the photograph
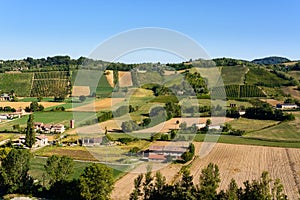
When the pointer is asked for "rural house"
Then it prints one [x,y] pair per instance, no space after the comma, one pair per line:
[160,153]
[286,106]
[48,128]
[40,140]
[5,97]
[91,141]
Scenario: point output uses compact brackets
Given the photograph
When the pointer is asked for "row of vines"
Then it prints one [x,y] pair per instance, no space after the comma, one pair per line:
[237,91]
[50,84]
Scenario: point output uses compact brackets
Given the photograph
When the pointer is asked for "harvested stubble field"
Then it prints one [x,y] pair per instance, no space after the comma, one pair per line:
[25,104]
[103,104]
[80,90]
[110,77]
[272,102]
[125,79]
[243,163]
[124,186]
[171,124]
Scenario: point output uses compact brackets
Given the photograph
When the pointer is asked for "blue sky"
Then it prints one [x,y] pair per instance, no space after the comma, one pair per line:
[238,29]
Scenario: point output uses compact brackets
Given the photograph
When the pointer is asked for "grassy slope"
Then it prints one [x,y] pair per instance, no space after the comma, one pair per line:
[20,83]
[249,125]
[37,169]
[285,131]
[295,74]
[260,75]
[233,75]
[88,78]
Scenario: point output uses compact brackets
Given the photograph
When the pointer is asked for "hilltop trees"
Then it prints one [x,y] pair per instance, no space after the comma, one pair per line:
[29,131]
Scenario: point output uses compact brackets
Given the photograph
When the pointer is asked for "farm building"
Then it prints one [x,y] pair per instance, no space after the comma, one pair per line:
[214,127]
[49,128]
[40,140]
[200,125]
[91,141]
[5,97]
[286,106]
[242,112]
[160,153]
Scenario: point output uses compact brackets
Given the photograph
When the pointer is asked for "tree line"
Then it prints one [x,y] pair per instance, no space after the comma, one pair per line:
[148,187]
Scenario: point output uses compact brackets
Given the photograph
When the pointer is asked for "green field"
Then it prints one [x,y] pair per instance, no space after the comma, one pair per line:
[274,92]
[285,131]
[246,141]
[260,76]
[37,169]
[249,125]
[45,117]
[19,82]
[233,75]
[89,78]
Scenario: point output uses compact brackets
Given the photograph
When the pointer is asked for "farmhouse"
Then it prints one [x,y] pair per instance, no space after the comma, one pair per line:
[160,153]
[48,128]
[40,140]
[5,116]
[286,106]
[200,125]
[91,141]
[5,97]
[214,127]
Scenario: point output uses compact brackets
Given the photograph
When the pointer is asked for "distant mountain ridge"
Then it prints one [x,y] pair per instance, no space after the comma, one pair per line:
[272,60]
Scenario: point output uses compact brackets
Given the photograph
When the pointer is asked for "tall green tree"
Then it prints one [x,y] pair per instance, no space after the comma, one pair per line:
[96,182]
[209,182]
[232,191]
[30,133]
[14,175]
[58,168]
[137,191]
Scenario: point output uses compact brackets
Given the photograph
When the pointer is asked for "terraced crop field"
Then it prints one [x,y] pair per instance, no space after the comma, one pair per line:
[19,82]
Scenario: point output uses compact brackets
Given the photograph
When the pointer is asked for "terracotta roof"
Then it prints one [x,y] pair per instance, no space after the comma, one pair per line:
[41,137]
[156,156]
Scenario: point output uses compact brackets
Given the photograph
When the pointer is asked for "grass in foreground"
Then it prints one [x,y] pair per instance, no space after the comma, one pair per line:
[37,169]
